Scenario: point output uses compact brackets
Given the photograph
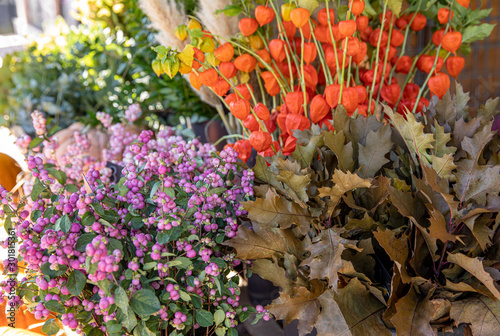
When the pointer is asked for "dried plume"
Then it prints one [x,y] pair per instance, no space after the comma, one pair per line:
[221,24]
[165,16]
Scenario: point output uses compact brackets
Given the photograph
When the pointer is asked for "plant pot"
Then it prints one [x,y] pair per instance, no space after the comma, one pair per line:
[210,131]
[260,291]
[291,329]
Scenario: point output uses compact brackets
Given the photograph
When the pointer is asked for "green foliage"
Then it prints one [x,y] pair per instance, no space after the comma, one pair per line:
[50,327]
[383,226]
[144,302]
[92,68]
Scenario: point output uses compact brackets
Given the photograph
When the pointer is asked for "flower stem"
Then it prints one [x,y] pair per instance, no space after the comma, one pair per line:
[377,56]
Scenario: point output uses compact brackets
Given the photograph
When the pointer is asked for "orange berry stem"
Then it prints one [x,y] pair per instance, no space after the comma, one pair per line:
[321,57]
[413,69]
[343,70]
[281,27]
[290,70]
[261,87]
[229,129]
[258,58]
[403,47]
[433,67]
[349,72]
[331,35]
[274,62]
[347,16]
[387,49]
[302,80]
[377,56]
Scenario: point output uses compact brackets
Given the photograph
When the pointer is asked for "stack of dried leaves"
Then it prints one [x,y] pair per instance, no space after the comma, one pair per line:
[378,227]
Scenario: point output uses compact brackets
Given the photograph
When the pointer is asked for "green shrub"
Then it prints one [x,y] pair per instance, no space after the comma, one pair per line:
[92,68]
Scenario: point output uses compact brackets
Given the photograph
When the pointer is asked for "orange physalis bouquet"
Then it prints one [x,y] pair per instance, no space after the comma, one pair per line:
[293,64]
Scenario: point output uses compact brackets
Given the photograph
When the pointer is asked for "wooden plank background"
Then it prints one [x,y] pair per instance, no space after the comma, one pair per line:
[481,75]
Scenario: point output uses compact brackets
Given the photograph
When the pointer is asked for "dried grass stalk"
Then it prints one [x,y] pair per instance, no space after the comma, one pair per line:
[165,16]
[221,24]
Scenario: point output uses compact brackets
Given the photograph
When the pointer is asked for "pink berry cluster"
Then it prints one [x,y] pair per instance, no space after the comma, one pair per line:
[150,247]
[76,158]
[74,162]
[23,141]
[39,122]
[105,118]
[133,112]
[120,139]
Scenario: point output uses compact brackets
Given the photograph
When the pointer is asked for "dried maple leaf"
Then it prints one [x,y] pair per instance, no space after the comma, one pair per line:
[325,260]
[482,313]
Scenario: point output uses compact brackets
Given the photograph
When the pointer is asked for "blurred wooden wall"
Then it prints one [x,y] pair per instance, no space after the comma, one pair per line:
[481,75]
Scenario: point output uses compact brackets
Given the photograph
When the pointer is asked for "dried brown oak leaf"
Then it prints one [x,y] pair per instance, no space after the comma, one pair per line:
[343,182]
[273,272]
[362,311]
[438,228]
[372,156]
[397,249]
[277,210]
[482,313]
[304,306]
[413,315]
[475,267]
[331,321]
[475,181]
[413,135]
[325,260]
[265,243]
[343,152]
